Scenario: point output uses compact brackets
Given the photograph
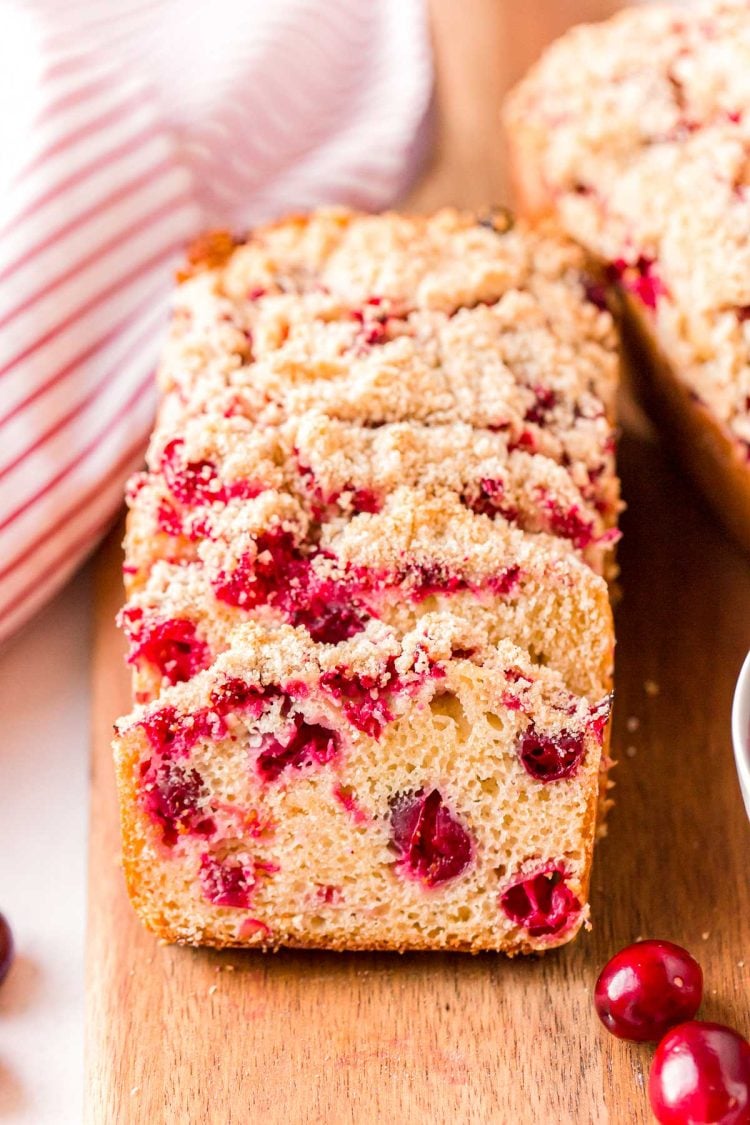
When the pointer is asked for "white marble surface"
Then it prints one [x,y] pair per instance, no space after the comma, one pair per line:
[44,750]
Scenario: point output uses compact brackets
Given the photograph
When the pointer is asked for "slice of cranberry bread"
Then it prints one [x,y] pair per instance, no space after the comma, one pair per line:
[636,133]
[424,790]
[368,623]
[419,553]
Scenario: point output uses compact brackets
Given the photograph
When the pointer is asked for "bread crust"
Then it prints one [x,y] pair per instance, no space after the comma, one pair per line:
[531,197]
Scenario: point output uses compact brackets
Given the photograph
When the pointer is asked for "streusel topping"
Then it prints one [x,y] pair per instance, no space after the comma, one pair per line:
[366,416]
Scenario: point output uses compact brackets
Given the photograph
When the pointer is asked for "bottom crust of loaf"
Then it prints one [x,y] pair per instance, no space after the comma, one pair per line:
[705,449]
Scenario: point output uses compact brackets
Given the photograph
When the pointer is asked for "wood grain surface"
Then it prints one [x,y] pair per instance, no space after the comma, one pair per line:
[182,1037]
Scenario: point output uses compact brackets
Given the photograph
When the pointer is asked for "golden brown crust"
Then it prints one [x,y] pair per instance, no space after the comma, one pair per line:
[208,252]
[531,197]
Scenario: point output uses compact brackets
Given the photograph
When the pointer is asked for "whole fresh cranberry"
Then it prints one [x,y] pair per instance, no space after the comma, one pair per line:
[647,988]
[6,947]
[701,1076]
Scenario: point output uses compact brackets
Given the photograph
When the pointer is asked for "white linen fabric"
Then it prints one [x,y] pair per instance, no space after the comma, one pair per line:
[126,127]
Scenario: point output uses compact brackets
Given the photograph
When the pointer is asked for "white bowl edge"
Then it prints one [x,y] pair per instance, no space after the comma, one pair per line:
[741,730]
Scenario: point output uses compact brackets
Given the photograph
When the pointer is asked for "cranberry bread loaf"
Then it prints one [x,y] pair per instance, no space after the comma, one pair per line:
[636,134]
[368,612]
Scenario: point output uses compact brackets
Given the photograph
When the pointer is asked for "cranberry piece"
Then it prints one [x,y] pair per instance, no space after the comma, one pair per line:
[647,988]
[190,482]
[701,1076]
[550,757]
[240,490]
[172,646]
[570,524]
[327,617]
[277,565]
[506,581]
[307,743]
[168,520]
[365,500]
[347,800]
[173,734]
[226,882]
[240,587]
[493,490]
[600,717]
[358,499]
[374,325]
[6,947]
[193,483]
[281,576]
[545,402]
[525,441]
[432,578]
[238,695]
[596,293]
[173,795]
[640,279]
[363,702]
[374,333]
[542,904]
[433,844]
[329,893]
[486,499]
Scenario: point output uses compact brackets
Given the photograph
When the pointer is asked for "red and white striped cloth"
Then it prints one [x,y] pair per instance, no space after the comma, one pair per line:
[127,126]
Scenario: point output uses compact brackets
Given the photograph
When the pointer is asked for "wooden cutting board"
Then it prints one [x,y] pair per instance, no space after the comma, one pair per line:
[179,1036]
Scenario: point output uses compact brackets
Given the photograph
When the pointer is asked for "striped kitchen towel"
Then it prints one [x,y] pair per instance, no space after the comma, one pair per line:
[126,126]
